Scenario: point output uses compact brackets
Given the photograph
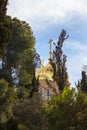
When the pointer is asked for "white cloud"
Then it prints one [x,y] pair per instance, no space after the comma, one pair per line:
[76,60]
[46,11]
[77,45]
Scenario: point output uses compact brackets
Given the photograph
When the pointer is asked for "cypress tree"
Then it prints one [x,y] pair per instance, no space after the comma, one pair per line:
[83,82]
[59,62]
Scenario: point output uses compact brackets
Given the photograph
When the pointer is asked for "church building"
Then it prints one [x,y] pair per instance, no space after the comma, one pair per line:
[47,87]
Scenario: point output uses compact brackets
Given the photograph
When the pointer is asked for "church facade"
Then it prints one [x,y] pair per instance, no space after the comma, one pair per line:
[47,87]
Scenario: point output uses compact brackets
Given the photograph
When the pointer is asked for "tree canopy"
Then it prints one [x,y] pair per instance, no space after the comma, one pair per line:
[20,52]
[5,27]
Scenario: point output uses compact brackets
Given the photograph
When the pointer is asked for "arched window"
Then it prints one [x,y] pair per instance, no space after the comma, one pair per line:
[48,94]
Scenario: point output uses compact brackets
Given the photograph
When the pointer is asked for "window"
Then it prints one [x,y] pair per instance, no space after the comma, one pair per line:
[48,94]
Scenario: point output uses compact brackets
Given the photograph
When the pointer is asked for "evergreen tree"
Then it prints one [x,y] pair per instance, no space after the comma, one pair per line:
[5,27]
[21,60]
[67,111]
[7,100]
[83,83]
[20,53]
[59,62]
[3,4]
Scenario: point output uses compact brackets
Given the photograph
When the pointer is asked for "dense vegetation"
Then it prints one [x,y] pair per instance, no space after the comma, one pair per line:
[5,27]
[67,111]
[21,106]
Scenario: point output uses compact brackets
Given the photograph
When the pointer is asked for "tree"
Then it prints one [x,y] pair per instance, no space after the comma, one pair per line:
[27,112]
[7,101]
[83,82]
[3,4]
[21,60]
[59,62]
[5,27]
[20,53]
[68,111]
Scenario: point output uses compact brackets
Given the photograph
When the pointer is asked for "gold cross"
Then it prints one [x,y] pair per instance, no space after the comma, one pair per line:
[50,42]
[43,62]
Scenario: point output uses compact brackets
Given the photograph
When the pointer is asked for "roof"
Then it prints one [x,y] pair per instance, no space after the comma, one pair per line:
[45,72]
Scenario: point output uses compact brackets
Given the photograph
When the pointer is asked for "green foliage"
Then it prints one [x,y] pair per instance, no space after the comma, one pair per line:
[3,4]
[83,83]
[27,67]
[23,93]
[17,110]
[59,62]
[20,53]
[22,40]
[7,100]
[5,27]
[67,111]
[27,112]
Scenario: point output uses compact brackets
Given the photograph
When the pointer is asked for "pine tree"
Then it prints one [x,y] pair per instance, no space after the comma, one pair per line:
[21,57]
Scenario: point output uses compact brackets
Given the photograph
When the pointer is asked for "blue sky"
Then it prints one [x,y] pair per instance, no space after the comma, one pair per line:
[47,18]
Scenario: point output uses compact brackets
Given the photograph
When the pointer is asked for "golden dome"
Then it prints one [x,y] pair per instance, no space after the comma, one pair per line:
[45,72]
